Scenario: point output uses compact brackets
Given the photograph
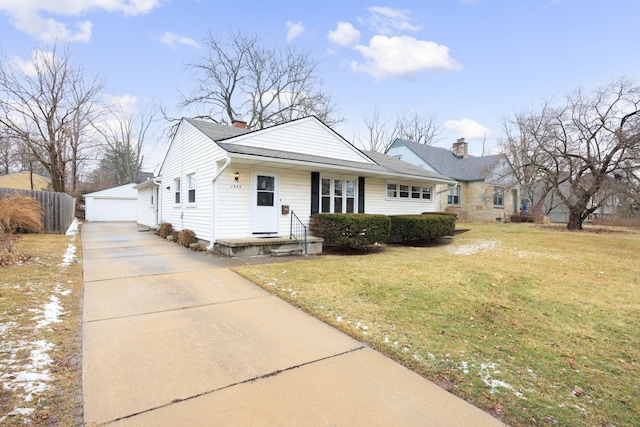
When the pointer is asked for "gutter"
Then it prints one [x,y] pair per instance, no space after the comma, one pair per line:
[213,204]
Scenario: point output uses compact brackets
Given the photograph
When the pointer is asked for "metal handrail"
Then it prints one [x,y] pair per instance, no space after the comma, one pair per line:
[298,232]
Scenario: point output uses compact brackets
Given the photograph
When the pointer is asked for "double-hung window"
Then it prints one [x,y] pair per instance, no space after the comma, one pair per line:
[453,196]
[498,197]
[176,191]
[191,188]
[337,195]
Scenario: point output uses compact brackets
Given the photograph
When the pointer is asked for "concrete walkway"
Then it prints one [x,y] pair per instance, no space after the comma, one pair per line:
[172,337]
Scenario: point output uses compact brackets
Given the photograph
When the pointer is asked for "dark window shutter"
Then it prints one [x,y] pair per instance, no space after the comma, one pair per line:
[315,192]
[361,194]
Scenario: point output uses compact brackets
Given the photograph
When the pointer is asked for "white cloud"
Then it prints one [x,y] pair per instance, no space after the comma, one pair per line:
[386,21]
[467,128]
[400,56]
[344,35]
[26,15]
[173,40]
[294,30]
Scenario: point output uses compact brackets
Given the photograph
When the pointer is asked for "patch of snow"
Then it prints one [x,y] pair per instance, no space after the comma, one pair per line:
[492,383]
[69,255]
[464,367]
[73,228]
[472,248]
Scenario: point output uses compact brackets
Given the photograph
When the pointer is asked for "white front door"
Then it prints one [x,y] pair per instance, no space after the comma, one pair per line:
[265,201]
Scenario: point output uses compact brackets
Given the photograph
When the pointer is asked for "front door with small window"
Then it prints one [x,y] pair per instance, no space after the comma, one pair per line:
[265,201]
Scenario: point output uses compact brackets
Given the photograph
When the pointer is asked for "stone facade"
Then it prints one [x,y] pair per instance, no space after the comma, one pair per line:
[477,204]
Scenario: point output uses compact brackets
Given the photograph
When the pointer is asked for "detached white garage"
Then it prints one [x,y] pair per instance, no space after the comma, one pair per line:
[113,204]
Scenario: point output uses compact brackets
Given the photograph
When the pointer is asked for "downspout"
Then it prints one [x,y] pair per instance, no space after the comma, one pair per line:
[213,197]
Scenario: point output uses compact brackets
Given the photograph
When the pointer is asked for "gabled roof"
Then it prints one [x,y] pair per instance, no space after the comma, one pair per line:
[444,161]
[372,162]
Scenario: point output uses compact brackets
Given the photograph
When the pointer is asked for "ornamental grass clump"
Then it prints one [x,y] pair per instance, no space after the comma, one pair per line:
[186,237]
[165,229]
[18,213]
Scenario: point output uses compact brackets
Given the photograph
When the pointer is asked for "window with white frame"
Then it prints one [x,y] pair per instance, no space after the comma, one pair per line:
[392,191]
[426,193]
[453,195]
[498,197]
[337,195]
[191,188]
[407,191]
[176,191]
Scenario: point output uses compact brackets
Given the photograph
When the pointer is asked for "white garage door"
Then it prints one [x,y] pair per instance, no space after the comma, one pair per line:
[115,210]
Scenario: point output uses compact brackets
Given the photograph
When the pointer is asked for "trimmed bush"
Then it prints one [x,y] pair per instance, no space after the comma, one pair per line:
[416,228]
[350,230]
[165,229]
[186,237]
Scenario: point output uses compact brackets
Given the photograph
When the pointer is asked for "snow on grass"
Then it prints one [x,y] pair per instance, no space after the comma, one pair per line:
[472,248]
[69,256]
[27,377]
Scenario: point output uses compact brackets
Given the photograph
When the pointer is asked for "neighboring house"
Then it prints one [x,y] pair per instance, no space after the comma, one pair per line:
[487,189]
[227,182]
[113,204]
[25,181]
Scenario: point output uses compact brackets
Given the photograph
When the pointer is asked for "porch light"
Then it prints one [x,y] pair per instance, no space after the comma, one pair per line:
[237,176]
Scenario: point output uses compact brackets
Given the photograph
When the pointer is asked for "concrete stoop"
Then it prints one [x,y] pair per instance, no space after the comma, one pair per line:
[267,246]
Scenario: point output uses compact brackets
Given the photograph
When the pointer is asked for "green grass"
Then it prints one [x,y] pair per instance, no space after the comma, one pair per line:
[536,325]
[26,287]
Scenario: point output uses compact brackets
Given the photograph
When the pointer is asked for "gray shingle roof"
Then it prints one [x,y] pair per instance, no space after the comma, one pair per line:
[445,162]
[384,164]
[217,131]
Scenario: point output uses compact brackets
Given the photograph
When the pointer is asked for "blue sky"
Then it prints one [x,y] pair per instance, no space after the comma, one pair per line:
[469,63]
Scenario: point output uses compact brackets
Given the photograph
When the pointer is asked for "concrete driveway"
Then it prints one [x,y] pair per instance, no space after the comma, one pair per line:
[172,337]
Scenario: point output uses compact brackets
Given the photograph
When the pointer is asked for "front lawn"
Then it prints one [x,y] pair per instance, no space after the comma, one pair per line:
[534,324]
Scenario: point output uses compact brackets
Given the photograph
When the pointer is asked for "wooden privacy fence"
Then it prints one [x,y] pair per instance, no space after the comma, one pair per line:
[59,208]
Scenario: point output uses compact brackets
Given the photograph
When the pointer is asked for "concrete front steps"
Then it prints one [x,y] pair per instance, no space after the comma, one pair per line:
[267,246]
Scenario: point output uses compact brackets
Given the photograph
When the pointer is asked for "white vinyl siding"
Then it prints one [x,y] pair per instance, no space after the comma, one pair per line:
[304,136]
[190,151]
[377,202]
[147,206]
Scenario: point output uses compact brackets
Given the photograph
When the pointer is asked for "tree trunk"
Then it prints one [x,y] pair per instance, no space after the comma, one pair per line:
[575,219]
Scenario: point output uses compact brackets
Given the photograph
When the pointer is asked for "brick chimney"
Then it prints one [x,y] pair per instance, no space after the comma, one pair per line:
[460,148]
[239,124]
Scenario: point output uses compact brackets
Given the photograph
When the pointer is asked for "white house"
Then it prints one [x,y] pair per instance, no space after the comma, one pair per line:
[227,182]
[148,193]
[113,204]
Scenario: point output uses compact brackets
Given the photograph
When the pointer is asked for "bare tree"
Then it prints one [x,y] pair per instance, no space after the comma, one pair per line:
[378,135]
[242,79]
[7,153]
[412,126]
[124,135]
[417,127]
[584,150]
[47,106]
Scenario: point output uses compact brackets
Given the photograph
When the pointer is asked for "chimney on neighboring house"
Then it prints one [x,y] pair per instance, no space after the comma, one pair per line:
[461,148]
[239,124]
